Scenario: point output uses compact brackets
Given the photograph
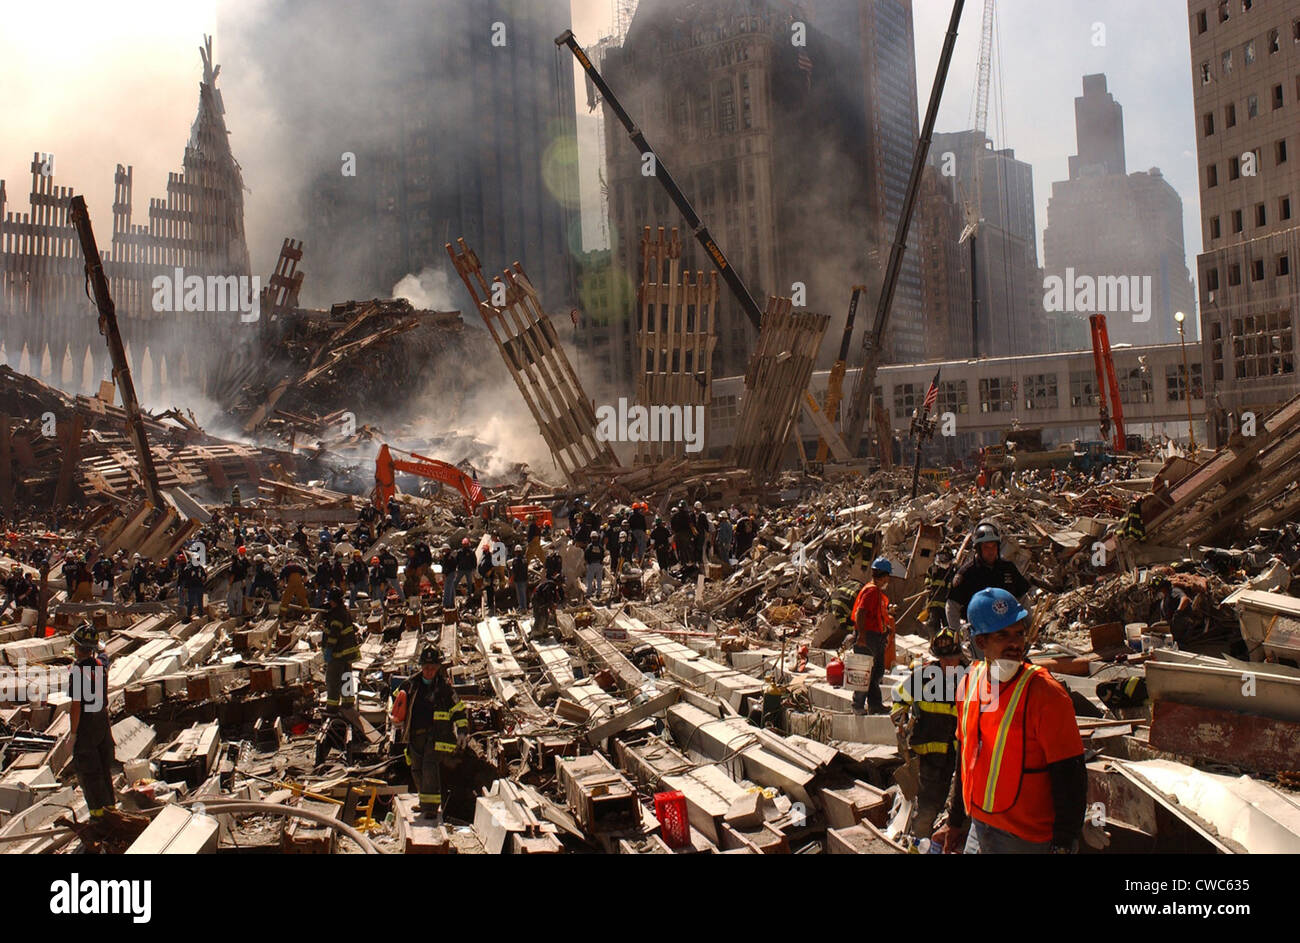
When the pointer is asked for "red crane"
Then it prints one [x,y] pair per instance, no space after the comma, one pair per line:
[386,468]
[1105,366]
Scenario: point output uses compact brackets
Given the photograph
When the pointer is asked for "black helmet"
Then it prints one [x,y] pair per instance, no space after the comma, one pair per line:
[430,656]
[945,644]
[336,595]
[85,635]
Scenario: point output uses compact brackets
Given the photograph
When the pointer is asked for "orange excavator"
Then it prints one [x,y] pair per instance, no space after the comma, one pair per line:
[387,467]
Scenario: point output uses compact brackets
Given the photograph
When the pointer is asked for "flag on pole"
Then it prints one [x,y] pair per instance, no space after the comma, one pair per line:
[932,394]
[475,492]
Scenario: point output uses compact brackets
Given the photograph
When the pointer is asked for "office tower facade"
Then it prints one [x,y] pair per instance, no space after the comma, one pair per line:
[1009,314]
[1113,243]
[1246,87]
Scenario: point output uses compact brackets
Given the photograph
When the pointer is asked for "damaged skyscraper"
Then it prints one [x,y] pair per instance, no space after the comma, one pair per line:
[196,230]
[443,120]
[796,156]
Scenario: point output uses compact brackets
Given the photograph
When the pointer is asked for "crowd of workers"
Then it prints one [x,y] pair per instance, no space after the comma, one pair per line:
[994,742]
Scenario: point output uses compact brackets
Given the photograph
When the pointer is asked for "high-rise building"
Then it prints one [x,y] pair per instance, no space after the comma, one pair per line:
[1099,128]
[1246,88]
[790,127]
[1009,314]
[1113,243]
[459,119]
[945,267]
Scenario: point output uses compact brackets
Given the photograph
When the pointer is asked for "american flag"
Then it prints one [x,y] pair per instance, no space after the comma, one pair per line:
[932,394]
[475,492]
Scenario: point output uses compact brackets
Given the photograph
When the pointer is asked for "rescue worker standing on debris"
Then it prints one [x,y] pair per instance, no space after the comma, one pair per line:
[594,557]
[925,709]
[358,576]
[191,581]
[987,570]
[340,649]
[936,592]
[683,533]
[435,725]
[294,576]
[519,577]
[91,734]
[238,581]
[841,610]
[872,625]
[546,597]
[1021,778]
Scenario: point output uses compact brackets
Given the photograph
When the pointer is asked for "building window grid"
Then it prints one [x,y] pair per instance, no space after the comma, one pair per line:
[1040,391]
[1135,386]
[1263,345]
[907,397]
[953,397]
[995,394]
[1083,388]
[1176,382]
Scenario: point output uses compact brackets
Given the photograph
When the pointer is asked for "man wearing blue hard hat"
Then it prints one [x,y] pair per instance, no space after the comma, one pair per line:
[872,624]
[1021,776]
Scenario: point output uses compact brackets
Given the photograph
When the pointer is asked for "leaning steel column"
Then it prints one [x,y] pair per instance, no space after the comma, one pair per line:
[121,369]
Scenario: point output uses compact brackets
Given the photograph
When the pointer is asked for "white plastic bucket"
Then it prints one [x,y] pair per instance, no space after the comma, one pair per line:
[857,671]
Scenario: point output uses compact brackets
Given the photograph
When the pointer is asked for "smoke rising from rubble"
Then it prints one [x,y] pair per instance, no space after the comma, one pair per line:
[431,290]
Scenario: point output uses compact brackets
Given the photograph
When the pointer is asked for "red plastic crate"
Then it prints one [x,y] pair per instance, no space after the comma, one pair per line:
[670,810]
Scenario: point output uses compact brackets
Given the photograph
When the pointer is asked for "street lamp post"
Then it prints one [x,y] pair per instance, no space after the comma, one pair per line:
[1187,379]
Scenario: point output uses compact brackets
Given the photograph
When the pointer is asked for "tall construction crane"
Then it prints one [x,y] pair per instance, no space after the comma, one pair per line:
[873,339]
[974,206]
[835,382]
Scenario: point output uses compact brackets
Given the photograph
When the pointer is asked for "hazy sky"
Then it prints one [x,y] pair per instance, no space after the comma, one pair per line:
[101,83]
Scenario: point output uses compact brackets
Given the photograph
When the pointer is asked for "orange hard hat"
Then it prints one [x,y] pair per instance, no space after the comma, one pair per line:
[242,550]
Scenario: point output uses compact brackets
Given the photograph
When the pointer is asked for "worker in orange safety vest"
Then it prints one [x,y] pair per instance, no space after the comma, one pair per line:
[1021,776]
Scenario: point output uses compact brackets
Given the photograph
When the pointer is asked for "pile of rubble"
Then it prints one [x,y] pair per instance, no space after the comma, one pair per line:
[688,711]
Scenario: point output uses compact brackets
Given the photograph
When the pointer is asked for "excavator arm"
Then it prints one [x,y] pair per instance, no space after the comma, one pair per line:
[387,467]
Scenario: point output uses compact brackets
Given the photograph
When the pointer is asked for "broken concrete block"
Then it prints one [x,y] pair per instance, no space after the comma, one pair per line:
[748,811]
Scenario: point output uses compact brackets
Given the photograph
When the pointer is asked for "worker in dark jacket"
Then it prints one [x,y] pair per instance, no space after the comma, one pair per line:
[91,733]
[546,597]
[434,725]
[519,577]
[340,648]
[358,576]
[987,571]
[933,616]
[662,539]
[191,581]
[925,710]
[841,610]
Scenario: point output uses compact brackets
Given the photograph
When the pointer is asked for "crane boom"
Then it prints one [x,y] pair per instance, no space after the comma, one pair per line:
[386,468]
[835,382]
[693,221]
[872,340]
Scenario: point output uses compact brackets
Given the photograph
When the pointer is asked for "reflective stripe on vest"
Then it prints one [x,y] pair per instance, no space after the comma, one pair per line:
[970,710]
